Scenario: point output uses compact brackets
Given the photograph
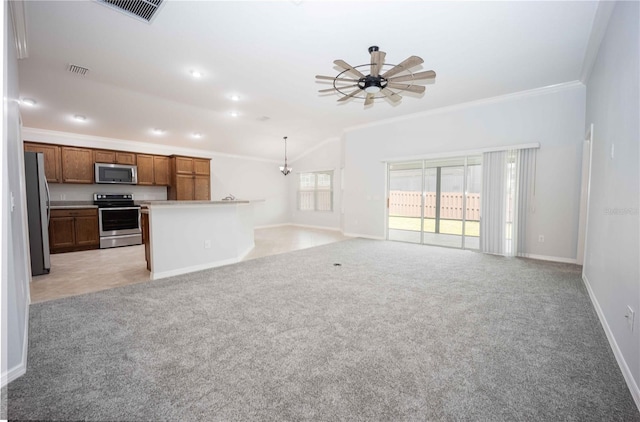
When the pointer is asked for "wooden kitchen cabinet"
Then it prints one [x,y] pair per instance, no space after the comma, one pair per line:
[202,188]
[190,179]
[114,157]
[73,230]
[153,170]
[77,165]
[161,172]
[51,159]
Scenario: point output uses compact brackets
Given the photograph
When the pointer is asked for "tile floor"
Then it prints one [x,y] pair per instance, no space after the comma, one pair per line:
[77,273]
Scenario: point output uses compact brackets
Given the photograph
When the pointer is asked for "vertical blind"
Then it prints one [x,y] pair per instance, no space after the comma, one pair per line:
[507,191]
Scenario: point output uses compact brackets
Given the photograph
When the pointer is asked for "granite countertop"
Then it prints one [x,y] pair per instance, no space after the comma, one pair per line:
[62,205]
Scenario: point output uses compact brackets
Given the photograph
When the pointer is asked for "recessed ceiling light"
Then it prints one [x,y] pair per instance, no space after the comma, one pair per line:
[234,114]
[235,97]
[197,135]
[158,131]
[29,102]
[79,118]
[196,74]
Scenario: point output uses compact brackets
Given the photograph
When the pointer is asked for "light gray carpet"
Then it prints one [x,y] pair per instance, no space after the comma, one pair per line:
[397,332]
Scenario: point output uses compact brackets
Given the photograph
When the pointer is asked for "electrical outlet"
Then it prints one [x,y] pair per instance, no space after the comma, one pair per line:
[207,244]
[541,238]
[63,196]
[630,316]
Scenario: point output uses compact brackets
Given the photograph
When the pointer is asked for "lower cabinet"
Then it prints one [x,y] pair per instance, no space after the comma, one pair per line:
[73,230]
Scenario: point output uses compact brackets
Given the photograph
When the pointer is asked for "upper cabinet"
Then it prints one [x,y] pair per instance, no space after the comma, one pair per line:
[114,157]
[51,160]
[77,165]
[153,170]
[190,179]
[187,177]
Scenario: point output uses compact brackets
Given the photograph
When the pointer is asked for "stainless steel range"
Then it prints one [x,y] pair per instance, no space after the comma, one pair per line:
[119,220]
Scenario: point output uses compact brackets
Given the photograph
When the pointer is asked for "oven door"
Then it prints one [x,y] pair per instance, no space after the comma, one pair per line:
[119,221]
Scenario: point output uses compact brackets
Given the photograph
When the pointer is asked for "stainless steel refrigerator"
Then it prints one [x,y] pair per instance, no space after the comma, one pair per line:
[38,201]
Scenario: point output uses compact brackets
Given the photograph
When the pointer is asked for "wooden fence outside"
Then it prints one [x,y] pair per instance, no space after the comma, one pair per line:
[407,204]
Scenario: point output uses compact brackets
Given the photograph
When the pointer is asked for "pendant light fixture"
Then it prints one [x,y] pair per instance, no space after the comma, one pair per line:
[285,169]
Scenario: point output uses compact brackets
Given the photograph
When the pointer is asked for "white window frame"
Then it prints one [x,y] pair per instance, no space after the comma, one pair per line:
[315,190]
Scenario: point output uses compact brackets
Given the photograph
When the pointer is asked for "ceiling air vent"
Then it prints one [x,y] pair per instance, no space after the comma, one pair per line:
[139,9]
[78,70]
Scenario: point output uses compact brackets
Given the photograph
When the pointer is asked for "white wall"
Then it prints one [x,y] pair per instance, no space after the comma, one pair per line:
[611,268]
[552,117]
[259,181]
[327,156]
[246,178]
[16,269]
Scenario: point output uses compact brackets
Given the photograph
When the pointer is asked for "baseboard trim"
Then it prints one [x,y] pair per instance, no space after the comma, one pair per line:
[13,373]
[193,268]
[365,236]
[622,363]
[549,258]
[21,368]
[308,226]
[271,226]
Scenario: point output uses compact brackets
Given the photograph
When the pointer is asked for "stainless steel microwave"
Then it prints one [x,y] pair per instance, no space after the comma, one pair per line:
[116,173]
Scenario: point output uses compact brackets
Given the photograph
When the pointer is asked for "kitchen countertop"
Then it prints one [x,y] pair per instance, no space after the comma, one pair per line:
[64,205]
[190,203]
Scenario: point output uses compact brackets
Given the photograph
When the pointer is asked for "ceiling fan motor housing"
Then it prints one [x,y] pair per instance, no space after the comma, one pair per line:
[372,84]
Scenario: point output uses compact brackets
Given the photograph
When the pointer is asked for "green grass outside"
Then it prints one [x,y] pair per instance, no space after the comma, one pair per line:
[472,228]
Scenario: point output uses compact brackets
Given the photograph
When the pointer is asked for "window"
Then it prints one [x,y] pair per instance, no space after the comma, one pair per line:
[315,191]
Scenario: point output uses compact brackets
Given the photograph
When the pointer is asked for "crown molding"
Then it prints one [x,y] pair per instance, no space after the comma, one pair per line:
[19,20]
[598,30]
[485,101]
[76,139]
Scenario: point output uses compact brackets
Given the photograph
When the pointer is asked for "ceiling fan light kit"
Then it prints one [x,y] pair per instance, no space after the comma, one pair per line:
[370,85]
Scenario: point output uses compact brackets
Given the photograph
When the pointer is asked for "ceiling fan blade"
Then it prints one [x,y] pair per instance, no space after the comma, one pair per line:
[428,74]
[333,78]
[346,66]
[391,95]
[411,88]
[337,88]
[346,97]
[377,60]
[407,64]
[369,99]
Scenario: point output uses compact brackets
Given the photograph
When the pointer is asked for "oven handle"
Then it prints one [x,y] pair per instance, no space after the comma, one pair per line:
[118,208]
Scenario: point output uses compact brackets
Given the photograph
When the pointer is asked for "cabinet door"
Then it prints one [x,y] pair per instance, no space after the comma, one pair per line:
[126,158]
[201,166]
[184,165]
[77,165]
[145,169]
[86,230]
[184,187]
[161,170]
[51,160]
[61,233]
[202,191]
[102,156]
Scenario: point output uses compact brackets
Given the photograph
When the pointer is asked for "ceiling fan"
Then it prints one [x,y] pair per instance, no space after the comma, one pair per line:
[394,78]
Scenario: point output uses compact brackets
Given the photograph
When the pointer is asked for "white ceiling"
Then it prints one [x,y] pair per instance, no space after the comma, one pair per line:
[268,53]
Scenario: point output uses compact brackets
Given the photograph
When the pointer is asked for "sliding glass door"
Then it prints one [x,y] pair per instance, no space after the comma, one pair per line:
[405,202]
[436,202]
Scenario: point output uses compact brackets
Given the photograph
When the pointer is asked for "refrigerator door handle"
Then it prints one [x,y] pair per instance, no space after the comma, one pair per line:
[46,185]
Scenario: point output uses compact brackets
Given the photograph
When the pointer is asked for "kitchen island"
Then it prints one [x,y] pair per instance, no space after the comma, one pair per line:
[186,236]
